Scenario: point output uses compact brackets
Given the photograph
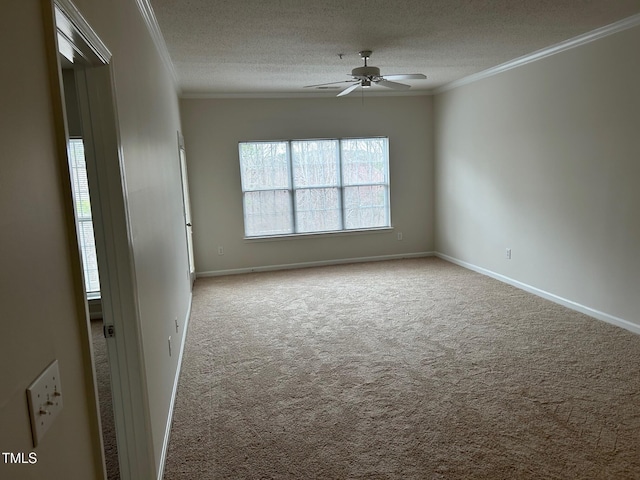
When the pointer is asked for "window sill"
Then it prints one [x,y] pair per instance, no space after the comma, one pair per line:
[338,233]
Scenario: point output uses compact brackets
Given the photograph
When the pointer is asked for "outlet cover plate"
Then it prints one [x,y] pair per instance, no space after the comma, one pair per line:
[45,401]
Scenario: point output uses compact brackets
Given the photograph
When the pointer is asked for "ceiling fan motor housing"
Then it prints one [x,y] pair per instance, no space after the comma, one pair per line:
[366,72]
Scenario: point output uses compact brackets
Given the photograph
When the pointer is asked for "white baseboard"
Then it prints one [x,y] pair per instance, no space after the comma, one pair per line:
[291,266]
[620,322]
[167,430]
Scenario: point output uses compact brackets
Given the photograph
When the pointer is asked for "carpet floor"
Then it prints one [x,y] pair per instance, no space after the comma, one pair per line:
[103,379]
[408,369]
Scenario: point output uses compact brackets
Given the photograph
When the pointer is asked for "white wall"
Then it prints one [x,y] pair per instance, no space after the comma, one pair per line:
[213,128]
[40,287]
[41,292]
[149,120]
[545,159]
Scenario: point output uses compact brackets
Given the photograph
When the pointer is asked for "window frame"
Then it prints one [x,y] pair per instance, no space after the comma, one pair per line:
[293,189]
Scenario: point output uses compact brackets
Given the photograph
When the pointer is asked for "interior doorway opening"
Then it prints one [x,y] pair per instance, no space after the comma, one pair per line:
[76,47]
[80,155]
[85,109]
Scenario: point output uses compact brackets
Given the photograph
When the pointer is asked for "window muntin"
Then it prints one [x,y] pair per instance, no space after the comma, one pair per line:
[314,186]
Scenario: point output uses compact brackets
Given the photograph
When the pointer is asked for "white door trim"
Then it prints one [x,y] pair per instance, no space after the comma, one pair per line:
[113,238]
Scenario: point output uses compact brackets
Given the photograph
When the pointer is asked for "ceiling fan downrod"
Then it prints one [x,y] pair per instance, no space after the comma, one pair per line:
[366,72]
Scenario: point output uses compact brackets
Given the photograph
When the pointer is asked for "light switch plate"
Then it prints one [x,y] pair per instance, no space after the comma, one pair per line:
[45,401]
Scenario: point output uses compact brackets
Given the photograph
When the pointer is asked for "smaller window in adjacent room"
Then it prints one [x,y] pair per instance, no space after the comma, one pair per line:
[80,187]
[314,186]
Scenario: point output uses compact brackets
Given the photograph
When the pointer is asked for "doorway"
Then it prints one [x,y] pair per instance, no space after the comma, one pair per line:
[78,54]
[187,208]
[77,148]
[81,162]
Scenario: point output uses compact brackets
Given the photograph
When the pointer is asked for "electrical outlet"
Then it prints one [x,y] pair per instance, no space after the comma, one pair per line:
[220,251]
[508,253]
[176,321]
[399,235]
[45,401]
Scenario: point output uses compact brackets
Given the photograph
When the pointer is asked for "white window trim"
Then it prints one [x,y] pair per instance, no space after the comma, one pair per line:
[341,187]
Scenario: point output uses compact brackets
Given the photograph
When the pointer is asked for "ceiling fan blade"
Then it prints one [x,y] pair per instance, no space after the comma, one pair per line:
[330,83]
[394,85]
[348,90]
[405,76]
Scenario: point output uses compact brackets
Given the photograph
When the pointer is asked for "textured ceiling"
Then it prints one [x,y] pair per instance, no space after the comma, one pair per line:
[279,46]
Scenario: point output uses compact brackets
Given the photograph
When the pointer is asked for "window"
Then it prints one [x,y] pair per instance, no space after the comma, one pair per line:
[80,188]
[314,186]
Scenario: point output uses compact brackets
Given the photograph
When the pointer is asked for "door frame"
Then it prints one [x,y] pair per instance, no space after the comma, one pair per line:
[186,204]
[68,30]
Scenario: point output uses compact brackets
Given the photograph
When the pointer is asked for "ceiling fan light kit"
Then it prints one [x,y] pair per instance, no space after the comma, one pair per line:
[367,75]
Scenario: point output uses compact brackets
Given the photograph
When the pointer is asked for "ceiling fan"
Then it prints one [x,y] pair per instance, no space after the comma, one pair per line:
[368,75]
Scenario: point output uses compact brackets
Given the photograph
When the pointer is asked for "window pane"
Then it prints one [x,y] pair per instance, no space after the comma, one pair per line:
[80,188]
[264,166]
[89,258]
[315,163]
[364,161]
[366,207]
[267,213]
[318,210]
[79,179]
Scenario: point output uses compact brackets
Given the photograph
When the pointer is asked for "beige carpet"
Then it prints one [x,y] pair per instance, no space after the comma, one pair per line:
[103,378]
[410,369]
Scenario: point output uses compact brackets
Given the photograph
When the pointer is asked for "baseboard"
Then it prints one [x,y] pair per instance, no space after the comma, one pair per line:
[167,430]
[605,317]
[323,263]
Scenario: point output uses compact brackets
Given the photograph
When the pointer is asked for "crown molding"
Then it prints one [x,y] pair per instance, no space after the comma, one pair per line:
[150,20]
[578,41]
